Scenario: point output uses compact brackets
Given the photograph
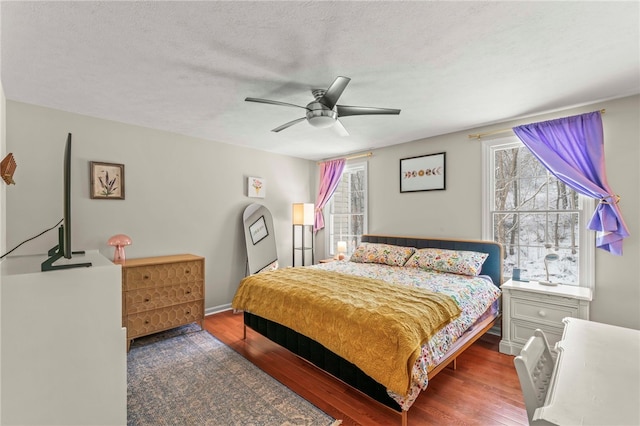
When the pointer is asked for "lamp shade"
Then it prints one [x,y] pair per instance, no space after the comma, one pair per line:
[303,214]
[342,246]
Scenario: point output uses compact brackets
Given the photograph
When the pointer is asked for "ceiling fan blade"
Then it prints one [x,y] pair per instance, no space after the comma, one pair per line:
[267,101]
[344,110]
[289,124]
[340,128]
[334,91]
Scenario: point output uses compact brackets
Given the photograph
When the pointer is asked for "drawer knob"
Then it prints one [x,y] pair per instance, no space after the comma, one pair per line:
[187,271]
[145,277]
[146,322]
[188,291]
[147,300]
[188,312]
[542,313]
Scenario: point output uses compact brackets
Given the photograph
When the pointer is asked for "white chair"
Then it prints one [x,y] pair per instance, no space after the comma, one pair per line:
[535,367]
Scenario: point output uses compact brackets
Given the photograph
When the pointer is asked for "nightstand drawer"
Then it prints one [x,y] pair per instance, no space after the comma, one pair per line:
[521,331]
[544,313]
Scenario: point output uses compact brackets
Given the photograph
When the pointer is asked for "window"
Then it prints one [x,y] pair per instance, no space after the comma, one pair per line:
[533,214]
[348,209]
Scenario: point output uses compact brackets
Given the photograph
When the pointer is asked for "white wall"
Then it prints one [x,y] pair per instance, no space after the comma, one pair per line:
[3,188]
[457,211]
[182,194]
[3,227]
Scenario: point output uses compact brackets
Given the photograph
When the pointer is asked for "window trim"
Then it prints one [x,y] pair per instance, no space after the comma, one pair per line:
[587,237]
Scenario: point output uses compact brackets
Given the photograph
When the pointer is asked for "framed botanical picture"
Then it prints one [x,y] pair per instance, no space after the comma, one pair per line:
[258,230]
[423,173]
[107,181]
[256,187]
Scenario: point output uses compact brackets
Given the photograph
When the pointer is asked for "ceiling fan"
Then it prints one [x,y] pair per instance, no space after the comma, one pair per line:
[323,111]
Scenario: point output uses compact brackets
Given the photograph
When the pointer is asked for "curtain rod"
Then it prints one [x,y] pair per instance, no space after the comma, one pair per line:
[495,132]
[351,157]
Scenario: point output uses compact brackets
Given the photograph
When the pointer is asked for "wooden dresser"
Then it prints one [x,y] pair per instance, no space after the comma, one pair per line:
[159,293]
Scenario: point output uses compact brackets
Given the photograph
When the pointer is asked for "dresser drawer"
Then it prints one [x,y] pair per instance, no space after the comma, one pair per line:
[165,274]
[541,312]
[148,322]
[158,297]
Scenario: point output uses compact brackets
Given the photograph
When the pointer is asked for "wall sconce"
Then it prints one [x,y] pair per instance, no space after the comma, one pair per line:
[342,249]
[303,215]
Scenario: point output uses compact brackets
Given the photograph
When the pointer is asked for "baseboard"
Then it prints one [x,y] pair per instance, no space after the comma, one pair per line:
[217,309]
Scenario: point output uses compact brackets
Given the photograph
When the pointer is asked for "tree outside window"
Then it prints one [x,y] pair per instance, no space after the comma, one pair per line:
[532,214]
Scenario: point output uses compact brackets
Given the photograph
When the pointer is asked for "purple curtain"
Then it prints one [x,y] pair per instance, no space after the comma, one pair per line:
[330,174]
[572,149]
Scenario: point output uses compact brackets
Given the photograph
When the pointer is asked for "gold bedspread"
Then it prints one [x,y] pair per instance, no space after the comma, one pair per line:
[379,327]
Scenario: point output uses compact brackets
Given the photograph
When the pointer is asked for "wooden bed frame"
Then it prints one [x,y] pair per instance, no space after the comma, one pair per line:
[347,372]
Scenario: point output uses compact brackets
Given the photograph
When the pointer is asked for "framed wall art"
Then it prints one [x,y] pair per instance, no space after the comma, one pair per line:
[256,187]
[258,230]
[107,181]
[423,173]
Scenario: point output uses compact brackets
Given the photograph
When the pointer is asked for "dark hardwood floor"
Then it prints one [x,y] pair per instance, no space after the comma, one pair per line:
[483,390]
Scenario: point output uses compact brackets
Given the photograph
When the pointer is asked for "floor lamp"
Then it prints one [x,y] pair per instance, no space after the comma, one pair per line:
[303,216]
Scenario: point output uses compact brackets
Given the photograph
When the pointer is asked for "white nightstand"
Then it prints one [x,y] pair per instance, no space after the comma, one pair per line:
[529,305]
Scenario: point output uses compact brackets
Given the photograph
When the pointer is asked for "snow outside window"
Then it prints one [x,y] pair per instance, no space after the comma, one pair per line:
[532,214]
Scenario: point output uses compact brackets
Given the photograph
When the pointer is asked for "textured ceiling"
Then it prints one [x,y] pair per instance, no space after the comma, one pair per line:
[186,67]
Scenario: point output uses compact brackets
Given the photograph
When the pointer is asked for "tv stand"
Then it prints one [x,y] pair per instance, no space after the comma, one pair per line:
[48,265]
[56,253]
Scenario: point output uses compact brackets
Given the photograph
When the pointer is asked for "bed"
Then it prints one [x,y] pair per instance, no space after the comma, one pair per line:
[457,281]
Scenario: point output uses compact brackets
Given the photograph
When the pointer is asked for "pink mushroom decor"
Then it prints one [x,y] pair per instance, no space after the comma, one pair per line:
[119,242]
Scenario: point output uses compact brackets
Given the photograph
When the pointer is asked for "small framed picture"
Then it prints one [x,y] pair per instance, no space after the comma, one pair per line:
[256,187]
[107,181]
[423,173]
[258,230]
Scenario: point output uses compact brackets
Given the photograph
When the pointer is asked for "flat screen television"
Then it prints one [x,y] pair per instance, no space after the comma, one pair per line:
[63,249]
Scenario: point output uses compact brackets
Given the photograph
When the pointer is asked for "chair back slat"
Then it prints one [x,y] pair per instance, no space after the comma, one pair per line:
[534,366]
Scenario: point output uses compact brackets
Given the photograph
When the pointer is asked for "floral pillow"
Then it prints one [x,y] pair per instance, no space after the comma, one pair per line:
[452,261]
[385,254]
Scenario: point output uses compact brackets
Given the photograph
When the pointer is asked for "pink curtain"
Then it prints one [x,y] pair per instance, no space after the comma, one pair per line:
[330,175]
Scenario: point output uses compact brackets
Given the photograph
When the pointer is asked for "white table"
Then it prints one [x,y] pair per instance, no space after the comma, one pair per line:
[596,380]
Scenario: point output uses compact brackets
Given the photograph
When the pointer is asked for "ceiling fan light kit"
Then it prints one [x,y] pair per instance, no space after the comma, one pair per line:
[324,112]
[320,116]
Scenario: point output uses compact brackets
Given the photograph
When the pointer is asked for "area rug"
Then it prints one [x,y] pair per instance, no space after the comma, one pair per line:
[188,377]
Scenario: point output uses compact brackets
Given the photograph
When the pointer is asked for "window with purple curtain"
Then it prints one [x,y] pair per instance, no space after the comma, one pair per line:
[330,174]
[572,149]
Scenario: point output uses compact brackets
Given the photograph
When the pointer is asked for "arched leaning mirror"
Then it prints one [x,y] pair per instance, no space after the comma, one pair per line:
[260,239]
